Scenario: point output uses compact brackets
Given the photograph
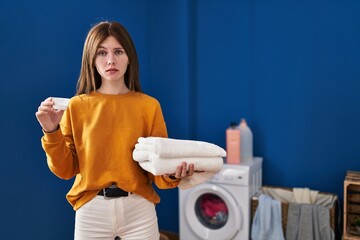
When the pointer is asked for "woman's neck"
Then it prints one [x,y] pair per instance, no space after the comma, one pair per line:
[113,89]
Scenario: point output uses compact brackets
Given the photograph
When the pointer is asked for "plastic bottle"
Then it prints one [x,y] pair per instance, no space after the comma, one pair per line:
[233,144]
[246,142]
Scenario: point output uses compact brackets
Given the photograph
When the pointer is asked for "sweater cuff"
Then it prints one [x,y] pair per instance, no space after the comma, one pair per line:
[53,136]
[171,180]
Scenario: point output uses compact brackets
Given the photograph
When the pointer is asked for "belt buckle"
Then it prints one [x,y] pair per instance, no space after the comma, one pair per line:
[104,191]
[106,197]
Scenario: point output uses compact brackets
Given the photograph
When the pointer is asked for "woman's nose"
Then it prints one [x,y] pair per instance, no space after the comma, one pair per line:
[110,62]
[110,59]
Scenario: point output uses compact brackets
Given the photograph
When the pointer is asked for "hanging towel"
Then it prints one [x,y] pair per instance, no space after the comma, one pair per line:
[308,221]
[267,220]
[174,148]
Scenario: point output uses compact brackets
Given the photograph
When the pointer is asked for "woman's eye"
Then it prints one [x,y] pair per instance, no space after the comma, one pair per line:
[101,53]
[119,52]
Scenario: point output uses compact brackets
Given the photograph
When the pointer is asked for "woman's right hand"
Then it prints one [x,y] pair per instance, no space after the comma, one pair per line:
[48,117]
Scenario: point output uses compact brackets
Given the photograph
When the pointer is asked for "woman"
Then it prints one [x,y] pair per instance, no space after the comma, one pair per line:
[94,137]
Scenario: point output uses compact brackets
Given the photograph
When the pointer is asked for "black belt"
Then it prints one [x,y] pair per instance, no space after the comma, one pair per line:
[113,192]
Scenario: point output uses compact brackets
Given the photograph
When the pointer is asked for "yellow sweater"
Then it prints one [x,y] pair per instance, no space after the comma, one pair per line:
[97,136]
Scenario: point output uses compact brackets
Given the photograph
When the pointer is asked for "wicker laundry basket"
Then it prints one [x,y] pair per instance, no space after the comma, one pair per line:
[334,212]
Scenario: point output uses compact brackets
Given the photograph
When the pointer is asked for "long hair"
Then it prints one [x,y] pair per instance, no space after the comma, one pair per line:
[89,79]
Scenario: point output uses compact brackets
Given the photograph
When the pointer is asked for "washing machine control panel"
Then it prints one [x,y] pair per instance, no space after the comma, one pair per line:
[232,176]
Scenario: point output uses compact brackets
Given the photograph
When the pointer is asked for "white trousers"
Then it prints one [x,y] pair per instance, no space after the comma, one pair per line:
[130,218]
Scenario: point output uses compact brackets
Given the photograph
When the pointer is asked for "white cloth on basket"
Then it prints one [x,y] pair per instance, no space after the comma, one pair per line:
[161,156]
[305,195]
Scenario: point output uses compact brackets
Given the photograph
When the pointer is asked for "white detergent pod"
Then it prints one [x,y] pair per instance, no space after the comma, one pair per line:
[60,103]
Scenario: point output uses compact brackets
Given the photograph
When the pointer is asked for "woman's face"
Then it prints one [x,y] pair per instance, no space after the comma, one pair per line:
[111,60]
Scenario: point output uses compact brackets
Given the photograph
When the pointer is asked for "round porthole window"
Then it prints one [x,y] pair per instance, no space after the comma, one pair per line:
[211,210]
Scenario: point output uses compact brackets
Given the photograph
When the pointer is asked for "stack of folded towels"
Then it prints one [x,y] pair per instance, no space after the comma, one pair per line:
[161,156]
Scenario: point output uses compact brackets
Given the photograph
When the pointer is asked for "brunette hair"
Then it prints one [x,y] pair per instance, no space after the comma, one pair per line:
[89,79]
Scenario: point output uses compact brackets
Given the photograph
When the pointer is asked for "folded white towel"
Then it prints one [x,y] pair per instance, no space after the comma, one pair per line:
[141,156]
[160,166]
[161,156]
[174,148]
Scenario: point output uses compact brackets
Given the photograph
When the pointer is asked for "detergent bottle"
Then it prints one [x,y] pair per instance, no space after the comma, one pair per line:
[246,142]
[233,144]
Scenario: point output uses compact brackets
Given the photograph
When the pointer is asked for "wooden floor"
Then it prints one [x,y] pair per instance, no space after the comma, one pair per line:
[164,235]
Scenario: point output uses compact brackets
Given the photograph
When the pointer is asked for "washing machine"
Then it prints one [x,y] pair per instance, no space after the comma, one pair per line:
[219,209]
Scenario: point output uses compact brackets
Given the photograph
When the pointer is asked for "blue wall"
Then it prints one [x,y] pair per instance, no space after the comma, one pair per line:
[291,68]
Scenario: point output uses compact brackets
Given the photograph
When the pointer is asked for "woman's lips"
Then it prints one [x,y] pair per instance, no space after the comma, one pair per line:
[112,70]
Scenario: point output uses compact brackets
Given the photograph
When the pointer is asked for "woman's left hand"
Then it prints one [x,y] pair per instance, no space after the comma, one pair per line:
[182,171]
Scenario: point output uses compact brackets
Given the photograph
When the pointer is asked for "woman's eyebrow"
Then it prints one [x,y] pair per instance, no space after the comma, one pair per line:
[117,48]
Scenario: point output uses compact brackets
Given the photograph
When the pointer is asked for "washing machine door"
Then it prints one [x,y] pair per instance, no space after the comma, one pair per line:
[212,212]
